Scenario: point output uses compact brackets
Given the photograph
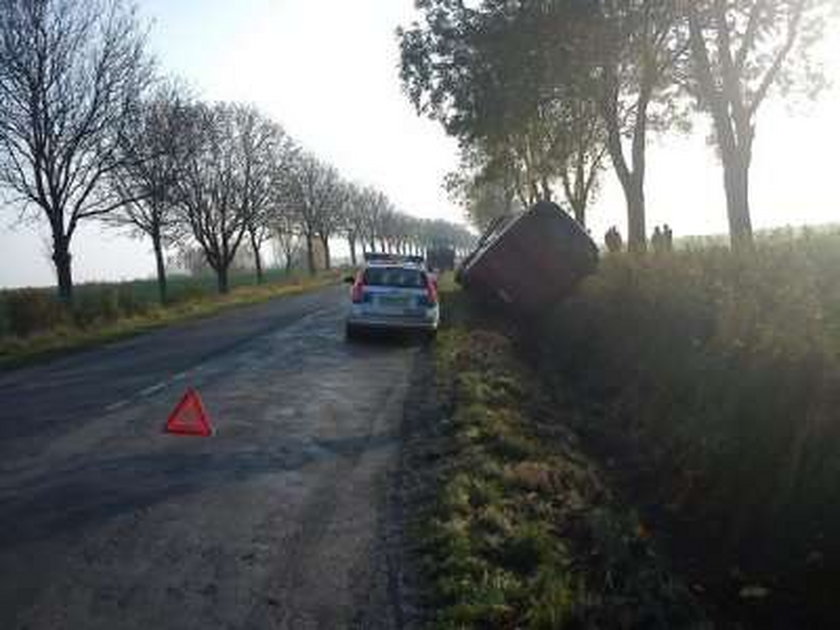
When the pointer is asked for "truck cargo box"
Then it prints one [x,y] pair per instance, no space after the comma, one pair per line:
[531,260]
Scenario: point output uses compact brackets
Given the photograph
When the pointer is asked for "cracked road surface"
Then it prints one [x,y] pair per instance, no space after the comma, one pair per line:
[281,520]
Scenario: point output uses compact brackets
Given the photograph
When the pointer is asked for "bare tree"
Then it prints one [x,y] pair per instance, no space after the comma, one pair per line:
[189,258]
[265,152]
[740,51]
[403,228]
[387,225]
[211,190]
[70,73]
[313,188]
[302,187]
[353,218]
[151,149]
[287,238]
[372,204]
[330,217]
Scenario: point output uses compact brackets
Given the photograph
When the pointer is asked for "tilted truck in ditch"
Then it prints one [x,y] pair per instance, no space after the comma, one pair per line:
[531,260]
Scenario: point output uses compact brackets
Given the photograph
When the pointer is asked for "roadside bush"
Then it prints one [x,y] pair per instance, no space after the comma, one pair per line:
[131,302]
[186,292]
[722,371]
[34,323]
[29,311]
[96,306]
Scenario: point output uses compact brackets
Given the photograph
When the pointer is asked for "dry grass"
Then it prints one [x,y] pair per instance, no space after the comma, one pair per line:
[715,378]
[105,316]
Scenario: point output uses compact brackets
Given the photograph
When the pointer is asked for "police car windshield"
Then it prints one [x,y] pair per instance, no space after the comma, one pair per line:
[394,277]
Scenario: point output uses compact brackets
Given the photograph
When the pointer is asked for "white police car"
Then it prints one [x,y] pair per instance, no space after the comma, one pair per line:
[393,293]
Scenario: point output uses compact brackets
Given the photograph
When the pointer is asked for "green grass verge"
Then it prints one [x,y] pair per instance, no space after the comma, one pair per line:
[525,533]
[16,350]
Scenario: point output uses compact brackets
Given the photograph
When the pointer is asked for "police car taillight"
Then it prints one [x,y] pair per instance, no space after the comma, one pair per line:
[431,291]
[357,293]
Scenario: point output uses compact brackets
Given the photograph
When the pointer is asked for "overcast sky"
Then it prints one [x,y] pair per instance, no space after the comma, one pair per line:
[327,71]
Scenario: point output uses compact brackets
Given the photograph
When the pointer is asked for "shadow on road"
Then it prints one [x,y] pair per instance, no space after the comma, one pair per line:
[386,338]
[98,490]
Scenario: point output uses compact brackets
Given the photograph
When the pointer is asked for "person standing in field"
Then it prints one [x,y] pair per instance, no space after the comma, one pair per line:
[612,239]
[667,238]
[656,241]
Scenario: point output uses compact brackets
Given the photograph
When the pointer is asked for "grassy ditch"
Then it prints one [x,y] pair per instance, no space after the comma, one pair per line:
[104,313]
[714,378]
[524,532]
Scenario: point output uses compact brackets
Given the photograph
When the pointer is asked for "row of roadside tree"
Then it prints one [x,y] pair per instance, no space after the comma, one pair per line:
[543,93]
[90,131]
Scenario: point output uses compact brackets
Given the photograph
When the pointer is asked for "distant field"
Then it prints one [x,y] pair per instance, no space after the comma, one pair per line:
[767,235]
[34,323]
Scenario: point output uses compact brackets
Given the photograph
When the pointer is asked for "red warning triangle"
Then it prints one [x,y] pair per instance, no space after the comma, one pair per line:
[189,417]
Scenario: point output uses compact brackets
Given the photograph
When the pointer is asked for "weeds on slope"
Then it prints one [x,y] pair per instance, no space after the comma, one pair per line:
[718,376]
[525,533]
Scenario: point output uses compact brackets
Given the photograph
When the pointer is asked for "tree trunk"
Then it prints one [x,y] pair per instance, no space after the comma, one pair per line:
[310,255]
[546,189]
[736,155]
[327,262]
[733,129]
[579,210]
[161,266]
[352,242]
[736,180]
[222,279]
[632,183]
[61,259]
[257,259]
[631,175]
[636,232]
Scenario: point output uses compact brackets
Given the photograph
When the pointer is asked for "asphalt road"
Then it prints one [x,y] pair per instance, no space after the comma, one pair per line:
[280,520]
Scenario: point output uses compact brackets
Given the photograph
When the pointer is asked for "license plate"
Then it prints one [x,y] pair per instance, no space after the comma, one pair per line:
[393,300]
